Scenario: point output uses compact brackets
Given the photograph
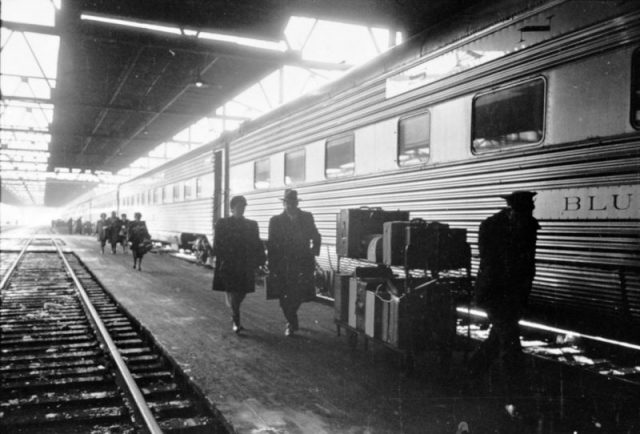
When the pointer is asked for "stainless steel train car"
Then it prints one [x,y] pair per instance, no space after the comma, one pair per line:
[175,199]
[91,204]
[441,126]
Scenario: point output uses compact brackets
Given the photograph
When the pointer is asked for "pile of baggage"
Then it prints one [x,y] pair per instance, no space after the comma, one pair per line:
[389,237]
[405,313]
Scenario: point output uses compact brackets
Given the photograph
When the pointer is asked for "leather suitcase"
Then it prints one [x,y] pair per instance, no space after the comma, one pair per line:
[393,242]
[421,319]
[436,247]
[354,225]
[358,289]
[351,302]
[374,313]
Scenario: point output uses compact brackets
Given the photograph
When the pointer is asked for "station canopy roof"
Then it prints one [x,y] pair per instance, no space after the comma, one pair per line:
[95,91]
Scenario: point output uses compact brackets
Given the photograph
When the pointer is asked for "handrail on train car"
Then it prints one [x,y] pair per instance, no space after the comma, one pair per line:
[150,424]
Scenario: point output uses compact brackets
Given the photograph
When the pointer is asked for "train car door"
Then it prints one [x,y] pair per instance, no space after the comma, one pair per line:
[219,183]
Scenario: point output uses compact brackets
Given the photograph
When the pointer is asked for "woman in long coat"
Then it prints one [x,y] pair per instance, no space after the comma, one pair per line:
[293,243]
[239,252]
[138,234]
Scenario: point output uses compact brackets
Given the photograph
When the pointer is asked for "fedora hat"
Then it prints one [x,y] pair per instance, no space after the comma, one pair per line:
[290,196]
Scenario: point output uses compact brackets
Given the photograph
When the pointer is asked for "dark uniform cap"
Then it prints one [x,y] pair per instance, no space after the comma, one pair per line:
[290,196]
[519,199]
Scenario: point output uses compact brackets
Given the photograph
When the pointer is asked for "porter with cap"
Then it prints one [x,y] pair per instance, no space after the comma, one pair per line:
[507,244]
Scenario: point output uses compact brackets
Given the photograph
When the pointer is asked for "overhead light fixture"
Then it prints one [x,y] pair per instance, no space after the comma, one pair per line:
[199,82]
[130,23]
[262,44]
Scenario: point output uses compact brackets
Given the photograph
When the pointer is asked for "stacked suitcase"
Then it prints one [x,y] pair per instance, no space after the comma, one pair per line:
[382,310]
[410,316]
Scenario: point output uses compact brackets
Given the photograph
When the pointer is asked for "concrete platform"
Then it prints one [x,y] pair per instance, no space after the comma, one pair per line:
[264,382]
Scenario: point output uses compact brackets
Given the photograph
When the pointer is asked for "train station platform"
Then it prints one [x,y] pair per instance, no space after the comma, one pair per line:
[265,382]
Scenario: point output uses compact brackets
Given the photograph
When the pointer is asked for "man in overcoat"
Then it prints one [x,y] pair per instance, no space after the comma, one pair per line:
[507,244]
[239,252]
[115,224]
[293,243]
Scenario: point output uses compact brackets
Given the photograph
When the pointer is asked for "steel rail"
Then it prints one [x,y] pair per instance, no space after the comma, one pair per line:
[140,404]
[11,269]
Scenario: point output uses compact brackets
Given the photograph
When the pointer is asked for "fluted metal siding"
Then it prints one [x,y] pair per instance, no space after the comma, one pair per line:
[167,221]
[579,263]
[366,104]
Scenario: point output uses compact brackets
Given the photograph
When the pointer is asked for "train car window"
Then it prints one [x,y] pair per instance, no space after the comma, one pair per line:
[262,173]
[511,116]
[340,156]
[199,186]
[413,139]
[176,192]
[294,167]
[188,189]
[635,89]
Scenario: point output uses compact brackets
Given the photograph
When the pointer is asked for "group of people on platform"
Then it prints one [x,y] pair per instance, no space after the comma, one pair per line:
[72,226]
[507,243]
[292,244]
[120,230]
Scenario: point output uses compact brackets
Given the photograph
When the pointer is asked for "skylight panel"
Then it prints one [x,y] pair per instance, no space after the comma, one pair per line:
[17,114]
[41,12]
[31,54]
[298,31]
[339,42]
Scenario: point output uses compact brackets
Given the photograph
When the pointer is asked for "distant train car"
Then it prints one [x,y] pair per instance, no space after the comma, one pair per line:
[91,204]
[441,126]
[175,199]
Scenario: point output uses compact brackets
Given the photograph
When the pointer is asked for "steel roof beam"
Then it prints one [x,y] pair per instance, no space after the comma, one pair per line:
[33,28]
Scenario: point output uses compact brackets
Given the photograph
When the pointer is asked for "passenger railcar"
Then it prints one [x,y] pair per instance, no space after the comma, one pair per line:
[547,101]
[441,126]
[91,204]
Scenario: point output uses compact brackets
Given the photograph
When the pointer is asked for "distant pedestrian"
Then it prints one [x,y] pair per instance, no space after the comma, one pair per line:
[140,240]
[123,235]
[115,224]
[507,244]
[293,243]
[102,229]
[239,252]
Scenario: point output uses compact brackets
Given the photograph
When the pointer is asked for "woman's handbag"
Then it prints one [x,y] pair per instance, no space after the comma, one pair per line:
[146,245]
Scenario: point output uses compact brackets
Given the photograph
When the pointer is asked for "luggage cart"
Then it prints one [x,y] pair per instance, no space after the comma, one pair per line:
[413,314]
[409,320]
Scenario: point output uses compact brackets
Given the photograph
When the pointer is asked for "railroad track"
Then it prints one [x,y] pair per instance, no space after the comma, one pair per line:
[71,361]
